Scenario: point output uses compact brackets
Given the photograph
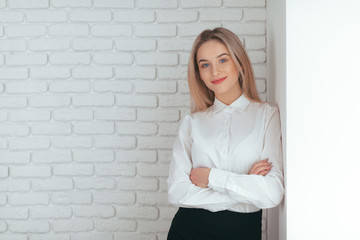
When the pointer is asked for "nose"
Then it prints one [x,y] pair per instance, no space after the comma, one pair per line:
[215,70]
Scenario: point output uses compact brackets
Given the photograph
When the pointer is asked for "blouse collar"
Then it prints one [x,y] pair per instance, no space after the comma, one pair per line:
[239,104]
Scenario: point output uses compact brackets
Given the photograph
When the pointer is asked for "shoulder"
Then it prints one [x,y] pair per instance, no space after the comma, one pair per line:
[266,107]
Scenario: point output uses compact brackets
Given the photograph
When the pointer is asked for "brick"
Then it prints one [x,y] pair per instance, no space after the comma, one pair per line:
[134,184]
[114,142]
[73,225]
[150,115]
[113,58]
[71,3]
[16,59]
[135,72]
[124,114]
[166,16]
[174,100]
[259,70]
[2,3]
[67,114]
[138,212]
[258,14]
[28,4]
[134,236]
[136,156]
[136,101]
[158,30]
[53,156]
[154,226]
[72,58]
[155,86]
[115,169]
[152,170]
[11,16]
[69,29]
[9,157]
[156,59]
[172,72]
[72,198]
[200,3]
[49,236]
[168,212]
[49,72]
[13,73]
[249,28]
[135,45]
[25,30]
[40,212]
[221,14]
[93,100]
[49,101]
[13,45]
[9,236]
[48,44]
[136,128]
[112,86]
[183,44]
[92,236]
[168,129]
[54,184]
[94,211]
[31,171]
[14,213]
[95,183]
[261,86]
[29,198]
[29,115]
[114,3]
[93,72]
[69,86]
[73,169]
[4,171]
[257,56]
[193,29]
[255,42]
[13,102]
[93,156]
[3,226]
[29,143]
[46,16]
[155,142]
[157,4]
[152,198]
[84,15]
[3,115]
[72,142]
[26,87]
[3,143]
[94,44]
[115,225]
[115,30]
[134,16]
[29,226]
[114,197]
[14,130]
[93,127]
[184,58]
[244,3]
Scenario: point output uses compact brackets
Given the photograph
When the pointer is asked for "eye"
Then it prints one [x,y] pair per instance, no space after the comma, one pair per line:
[223,60]
[205,65]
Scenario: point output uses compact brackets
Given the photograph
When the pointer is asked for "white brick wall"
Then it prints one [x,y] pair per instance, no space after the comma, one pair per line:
[91,96]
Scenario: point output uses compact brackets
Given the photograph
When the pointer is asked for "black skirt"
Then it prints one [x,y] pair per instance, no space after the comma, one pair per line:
[200,224]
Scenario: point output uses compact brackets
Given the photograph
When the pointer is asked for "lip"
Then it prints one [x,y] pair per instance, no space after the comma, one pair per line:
[217,81]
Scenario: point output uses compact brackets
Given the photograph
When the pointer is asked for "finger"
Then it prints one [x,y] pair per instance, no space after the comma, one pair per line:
[264,172]
[261,168]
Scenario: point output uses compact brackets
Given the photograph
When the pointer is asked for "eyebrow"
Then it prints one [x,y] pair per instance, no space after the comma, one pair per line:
[222,54]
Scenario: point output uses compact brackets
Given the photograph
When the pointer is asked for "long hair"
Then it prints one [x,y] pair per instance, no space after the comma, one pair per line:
[201,96]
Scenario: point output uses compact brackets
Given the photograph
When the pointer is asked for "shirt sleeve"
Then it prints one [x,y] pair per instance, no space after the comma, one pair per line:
[261,191]
[181,191]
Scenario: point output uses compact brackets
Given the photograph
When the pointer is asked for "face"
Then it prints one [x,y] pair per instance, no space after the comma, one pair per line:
[218,71]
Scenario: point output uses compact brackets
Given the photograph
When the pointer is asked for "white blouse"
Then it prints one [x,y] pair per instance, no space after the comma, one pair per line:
[229,140]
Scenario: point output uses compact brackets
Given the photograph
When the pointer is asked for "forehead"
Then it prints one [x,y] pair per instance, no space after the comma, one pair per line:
[211,49]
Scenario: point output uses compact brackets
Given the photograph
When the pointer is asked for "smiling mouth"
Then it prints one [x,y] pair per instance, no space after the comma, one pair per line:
[217,81]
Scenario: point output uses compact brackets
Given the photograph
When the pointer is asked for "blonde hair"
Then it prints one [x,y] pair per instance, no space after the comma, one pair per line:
[202,97]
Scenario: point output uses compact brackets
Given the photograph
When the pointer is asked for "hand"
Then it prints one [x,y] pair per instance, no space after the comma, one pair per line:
[262,167]
[200,177]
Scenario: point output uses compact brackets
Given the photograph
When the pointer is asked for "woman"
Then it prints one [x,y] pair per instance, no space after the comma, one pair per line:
[227,159]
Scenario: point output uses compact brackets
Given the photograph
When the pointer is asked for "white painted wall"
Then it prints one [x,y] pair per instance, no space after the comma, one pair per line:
[276,60]
[323,119]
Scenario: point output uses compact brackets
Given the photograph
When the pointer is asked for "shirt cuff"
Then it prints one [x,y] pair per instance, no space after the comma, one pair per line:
[217,179]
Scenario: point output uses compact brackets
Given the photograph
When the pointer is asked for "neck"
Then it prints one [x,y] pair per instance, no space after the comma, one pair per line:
[229,98]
